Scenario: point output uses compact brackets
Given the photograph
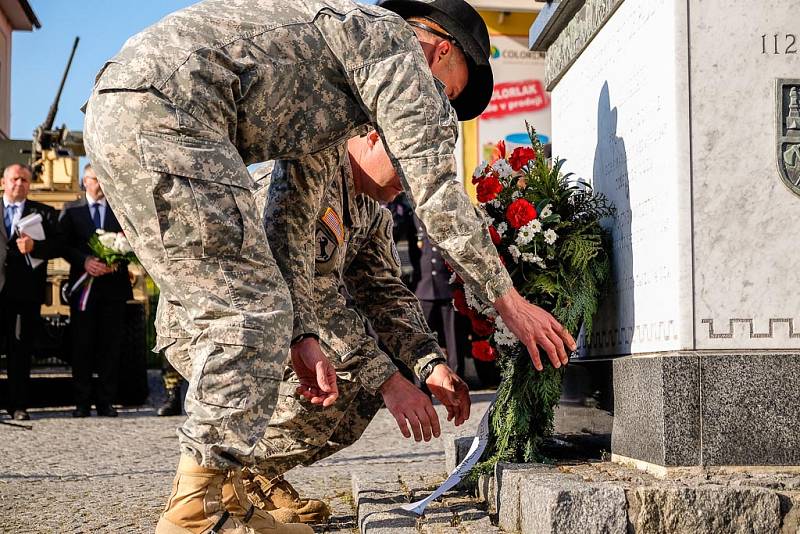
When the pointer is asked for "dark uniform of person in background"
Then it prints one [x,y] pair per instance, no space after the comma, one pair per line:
[23,293]
[96,332]
[433,292]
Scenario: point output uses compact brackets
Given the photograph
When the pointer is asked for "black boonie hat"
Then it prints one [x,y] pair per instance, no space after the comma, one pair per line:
[468,30]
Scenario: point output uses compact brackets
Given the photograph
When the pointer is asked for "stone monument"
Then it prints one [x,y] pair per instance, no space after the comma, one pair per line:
[685,113]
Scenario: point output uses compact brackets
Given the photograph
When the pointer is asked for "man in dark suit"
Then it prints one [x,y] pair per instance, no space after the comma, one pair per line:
[96,331]
[23,292]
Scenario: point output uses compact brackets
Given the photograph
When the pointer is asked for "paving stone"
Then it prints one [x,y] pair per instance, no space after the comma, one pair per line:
[114,475]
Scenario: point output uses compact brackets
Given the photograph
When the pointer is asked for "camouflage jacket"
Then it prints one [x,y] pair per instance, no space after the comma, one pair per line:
[272,79]
[356,256]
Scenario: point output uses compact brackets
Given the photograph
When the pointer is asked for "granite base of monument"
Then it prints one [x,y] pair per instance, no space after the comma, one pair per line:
[707,409]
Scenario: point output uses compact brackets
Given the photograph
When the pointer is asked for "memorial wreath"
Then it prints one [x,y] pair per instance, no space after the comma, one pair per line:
[546,227]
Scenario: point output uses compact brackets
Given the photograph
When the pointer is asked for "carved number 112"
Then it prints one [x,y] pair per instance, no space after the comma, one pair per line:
[790,42]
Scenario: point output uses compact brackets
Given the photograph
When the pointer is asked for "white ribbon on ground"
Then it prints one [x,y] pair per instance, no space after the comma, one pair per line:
[469,461]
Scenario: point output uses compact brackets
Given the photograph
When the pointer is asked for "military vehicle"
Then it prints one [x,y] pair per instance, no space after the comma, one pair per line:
[54,156]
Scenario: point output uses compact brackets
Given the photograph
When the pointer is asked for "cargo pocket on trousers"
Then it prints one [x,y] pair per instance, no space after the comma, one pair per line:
[232,374]
[202,196]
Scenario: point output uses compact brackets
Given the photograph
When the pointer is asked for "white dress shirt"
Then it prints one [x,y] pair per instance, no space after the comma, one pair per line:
[17,216]
[91,203]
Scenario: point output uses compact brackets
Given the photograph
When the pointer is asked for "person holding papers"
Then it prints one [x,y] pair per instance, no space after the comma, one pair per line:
[23,279]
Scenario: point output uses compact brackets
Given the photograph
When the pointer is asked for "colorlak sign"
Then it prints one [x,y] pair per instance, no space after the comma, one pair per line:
[519,96]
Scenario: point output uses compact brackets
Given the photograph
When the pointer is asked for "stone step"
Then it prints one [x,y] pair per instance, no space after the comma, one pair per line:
[378,499]
[609,498]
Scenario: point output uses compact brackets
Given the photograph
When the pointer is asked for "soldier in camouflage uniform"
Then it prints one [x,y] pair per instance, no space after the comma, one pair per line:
[177,115]
[355,256]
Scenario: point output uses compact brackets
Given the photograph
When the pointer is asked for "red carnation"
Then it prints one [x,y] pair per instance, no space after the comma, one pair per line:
[488,189]
[520,213]
[495,236]
[483,351]
[521,156]
[460,302]
[481,326]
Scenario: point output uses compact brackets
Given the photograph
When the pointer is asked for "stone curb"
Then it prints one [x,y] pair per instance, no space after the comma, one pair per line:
[378,499]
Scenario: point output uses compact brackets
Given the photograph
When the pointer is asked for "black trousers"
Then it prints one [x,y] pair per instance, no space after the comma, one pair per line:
[452,330]
[96,336]
[19,322]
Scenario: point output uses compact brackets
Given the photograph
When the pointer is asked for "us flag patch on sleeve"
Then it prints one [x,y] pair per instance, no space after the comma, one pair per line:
[334,223]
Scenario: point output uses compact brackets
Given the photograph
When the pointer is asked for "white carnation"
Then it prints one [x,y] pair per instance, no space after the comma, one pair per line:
[472,302]
[479,170]
[550,237]
[502,335]
[502,168]
[533,258]
[514,251]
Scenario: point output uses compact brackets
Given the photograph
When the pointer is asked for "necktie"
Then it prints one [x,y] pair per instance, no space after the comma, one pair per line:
[11,212]
[96,216]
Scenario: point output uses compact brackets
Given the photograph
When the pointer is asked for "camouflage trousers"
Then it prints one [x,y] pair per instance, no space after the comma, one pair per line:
[299,432]
[183,196]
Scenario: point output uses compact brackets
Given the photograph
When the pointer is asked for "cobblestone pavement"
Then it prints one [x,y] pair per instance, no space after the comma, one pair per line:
[113,475]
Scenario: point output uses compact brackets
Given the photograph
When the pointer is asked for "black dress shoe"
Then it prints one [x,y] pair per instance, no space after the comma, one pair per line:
[172,406]
[21,415]
[106,411]
[81,411]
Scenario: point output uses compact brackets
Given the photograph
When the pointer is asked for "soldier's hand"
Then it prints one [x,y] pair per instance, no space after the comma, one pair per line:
[317,375]
[410,406]
[535,328]
[25,244]
[451,391]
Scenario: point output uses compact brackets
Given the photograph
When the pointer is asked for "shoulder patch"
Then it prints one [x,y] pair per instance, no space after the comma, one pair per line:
[333,222]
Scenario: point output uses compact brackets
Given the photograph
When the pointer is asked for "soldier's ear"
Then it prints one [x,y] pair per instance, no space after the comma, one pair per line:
[373,138]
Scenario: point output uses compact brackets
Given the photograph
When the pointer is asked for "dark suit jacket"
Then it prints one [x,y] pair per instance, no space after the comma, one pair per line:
[23,283]
[76,228]
[434,281]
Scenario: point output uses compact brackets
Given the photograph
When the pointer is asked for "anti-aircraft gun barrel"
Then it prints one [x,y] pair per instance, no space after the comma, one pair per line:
[51,115]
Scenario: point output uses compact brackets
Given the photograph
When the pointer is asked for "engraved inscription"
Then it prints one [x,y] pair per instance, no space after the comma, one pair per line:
[578,33]
[749,329]
[779,44]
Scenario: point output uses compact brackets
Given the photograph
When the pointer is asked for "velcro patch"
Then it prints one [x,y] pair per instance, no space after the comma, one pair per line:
[334,223]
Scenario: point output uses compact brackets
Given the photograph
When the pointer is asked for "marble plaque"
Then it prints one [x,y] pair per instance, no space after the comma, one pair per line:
[620,119]
[687,115]
[746,218]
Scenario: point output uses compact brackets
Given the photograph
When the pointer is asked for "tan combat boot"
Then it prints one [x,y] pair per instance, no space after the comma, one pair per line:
[278,493]
[195,506]
[234,498]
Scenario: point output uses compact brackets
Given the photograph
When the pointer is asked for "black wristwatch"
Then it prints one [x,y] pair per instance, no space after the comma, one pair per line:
[426,371]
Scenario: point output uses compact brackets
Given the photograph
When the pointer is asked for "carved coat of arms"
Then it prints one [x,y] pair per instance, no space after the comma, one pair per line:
[787,93]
